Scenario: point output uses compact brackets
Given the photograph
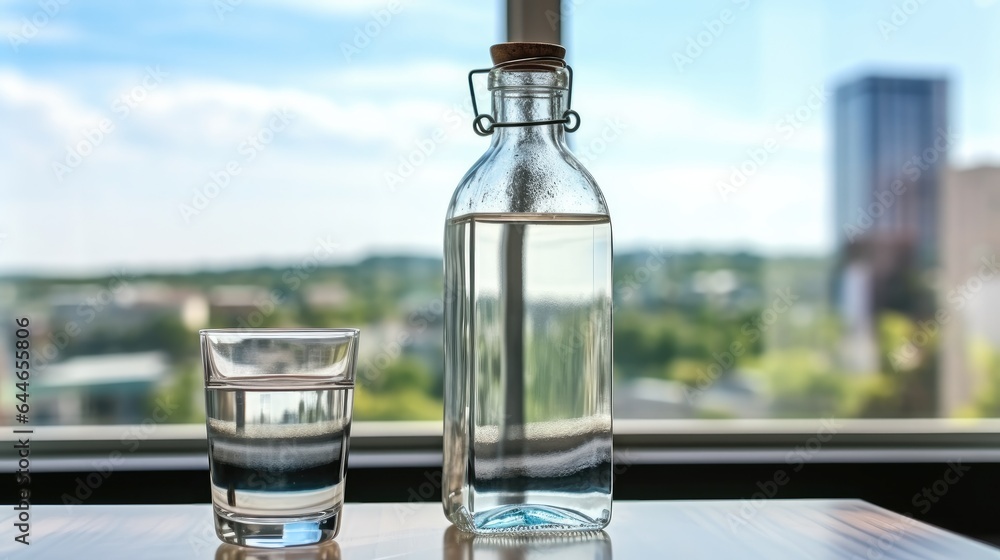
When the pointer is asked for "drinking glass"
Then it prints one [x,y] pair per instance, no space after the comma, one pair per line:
[278,412]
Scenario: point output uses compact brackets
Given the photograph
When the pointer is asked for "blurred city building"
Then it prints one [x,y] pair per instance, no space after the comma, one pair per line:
[241,306]
[330,295]
[102,389]
[891,143]
[969,294]
[122,306]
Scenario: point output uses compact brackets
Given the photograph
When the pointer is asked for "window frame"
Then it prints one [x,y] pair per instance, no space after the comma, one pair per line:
[419,443]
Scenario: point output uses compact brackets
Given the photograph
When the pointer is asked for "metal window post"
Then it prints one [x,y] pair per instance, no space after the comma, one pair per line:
[534,20]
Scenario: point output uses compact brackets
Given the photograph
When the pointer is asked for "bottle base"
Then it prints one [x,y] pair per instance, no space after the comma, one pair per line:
[529,519]
[277,532]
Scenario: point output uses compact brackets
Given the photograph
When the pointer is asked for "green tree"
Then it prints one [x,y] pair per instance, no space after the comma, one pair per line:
[402,374]
[905,386]
[180,396]
[985,361]
[408,404]
[801,383]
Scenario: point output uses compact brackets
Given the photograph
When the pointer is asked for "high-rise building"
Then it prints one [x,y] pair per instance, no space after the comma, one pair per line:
[891,147]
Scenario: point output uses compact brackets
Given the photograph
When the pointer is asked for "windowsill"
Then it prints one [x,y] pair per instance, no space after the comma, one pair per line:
[418,444]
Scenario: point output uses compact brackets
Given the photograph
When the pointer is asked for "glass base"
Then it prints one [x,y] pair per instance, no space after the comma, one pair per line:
[274,532]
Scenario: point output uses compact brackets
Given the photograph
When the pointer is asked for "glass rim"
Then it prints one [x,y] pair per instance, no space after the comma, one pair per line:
[283,332]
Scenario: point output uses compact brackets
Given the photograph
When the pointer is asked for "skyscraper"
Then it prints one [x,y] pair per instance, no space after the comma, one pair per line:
[891,147]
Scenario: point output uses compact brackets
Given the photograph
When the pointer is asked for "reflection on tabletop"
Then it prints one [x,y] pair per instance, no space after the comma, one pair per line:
[329,550]
[458,545]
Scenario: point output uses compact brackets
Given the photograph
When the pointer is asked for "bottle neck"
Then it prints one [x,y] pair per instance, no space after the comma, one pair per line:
[529,104]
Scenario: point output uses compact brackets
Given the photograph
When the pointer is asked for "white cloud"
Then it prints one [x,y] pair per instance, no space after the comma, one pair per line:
[199,113]
[53,103]
[327,171]
[121,204]
[977,150]
[19,33]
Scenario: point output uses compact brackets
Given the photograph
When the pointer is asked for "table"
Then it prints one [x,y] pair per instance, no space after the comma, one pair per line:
[767,529]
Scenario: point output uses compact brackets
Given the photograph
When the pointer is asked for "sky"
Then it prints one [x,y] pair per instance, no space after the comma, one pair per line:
[185,135]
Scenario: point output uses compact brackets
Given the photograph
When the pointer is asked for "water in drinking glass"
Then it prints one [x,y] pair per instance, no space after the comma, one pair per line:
[278,452]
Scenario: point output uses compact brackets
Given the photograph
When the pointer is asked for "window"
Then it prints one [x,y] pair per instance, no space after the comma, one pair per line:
[803,197]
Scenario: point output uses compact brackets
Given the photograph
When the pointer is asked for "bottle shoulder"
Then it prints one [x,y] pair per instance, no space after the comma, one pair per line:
[509,179]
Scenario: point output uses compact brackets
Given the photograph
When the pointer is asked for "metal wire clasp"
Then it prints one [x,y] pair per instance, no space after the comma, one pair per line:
[479,123]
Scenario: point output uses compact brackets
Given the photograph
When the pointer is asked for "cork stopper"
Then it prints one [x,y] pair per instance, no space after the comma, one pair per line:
[508,52]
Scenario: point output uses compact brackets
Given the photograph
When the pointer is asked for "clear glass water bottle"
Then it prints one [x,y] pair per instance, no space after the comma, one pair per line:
[528,252]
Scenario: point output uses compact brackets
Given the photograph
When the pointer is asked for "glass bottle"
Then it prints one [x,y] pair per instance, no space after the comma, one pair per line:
[528,253]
